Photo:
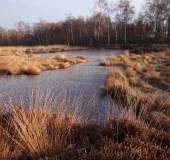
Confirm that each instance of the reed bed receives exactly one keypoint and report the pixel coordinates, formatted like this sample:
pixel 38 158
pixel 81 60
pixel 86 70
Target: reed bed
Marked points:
pixel 16 65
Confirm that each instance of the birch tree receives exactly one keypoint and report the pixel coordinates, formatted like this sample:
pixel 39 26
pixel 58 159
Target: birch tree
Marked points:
pixel 99 11
pixel 69 19
pixel 124 13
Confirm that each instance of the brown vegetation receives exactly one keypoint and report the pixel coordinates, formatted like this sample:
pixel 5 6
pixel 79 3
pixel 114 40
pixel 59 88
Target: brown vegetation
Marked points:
pixel 141 85
pixel 111 61
pixel 152 67
pixel 118 87
pixel 13 51
pixel 16 65
pixel 83 57
pixel 21 50
pixel 39 132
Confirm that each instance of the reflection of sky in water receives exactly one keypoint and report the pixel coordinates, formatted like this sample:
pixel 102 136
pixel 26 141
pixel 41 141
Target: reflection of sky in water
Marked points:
pixel 84 78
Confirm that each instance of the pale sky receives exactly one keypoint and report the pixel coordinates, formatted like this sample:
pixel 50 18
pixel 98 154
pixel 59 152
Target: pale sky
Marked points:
pixel 31 11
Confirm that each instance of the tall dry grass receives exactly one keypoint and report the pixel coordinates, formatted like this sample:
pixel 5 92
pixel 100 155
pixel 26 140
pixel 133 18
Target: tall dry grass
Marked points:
pixel 16 65
pixel 57 127
pixel 111 61
pixel 13 51
pixel 42 127
pixel 56 48
pixel 21 50
pixel 117 86
pixel 153 67
pixel 83 57
pixel 152 108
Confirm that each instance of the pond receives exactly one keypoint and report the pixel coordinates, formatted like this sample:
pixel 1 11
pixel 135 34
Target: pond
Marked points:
pixel 81 79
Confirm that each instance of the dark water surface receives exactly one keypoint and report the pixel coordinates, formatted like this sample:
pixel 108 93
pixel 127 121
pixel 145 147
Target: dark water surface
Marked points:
pixel 84 78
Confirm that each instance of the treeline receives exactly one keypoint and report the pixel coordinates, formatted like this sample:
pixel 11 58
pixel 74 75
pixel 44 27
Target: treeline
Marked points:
pixel 114 23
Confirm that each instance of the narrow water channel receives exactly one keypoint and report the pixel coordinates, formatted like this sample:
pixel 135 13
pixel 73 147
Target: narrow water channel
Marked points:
pixel 84 78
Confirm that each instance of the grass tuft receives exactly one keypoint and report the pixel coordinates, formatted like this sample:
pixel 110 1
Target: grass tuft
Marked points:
pixel 142 86
pixel 32 71
pixel 64 65
pixel 83 57
pixel 16 65
pixel 50 129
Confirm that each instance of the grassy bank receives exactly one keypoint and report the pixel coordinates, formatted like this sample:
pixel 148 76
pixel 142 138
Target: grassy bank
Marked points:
pixel 29 50
pixel 143 85
pixel 16 65
pixel 144 68
pixel 59 129
pixel 21 50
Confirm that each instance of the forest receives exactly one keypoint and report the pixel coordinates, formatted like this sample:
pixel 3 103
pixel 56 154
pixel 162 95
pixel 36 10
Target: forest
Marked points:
pixel 109 24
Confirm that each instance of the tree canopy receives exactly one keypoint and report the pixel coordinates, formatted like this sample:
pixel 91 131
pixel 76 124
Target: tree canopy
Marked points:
pixel 114 23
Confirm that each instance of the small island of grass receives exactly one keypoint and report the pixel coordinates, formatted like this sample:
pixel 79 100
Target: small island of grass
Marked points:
pixel 22 61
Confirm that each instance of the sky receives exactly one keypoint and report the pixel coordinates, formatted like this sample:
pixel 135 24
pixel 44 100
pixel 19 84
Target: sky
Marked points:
pixel 31 11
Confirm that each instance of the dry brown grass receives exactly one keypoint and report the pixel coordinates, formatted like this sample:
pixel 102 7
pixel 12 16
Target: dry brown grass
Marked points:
pixel 154 68
pixel 83 57
pixel 129 72
pixel 138 87
pixel 140 100
pixel 64 65
pixel 61 56
pixel 40 129
pixel 32 71
pixel 35 132
pixel 21 50
pixel 117 86
pixel 51 129
pixel 111 61
pixel 16 65
pixel 75 60
pixel 56 48
pixel 13 51
pixel 11 65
